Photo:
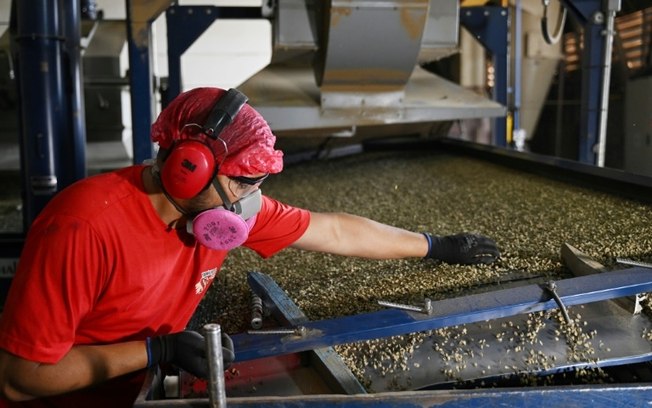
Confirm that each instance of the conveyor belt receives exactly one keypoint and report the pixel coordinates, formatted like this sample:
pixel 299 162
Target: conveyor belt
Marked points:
pixel 611 334
pixel 504 347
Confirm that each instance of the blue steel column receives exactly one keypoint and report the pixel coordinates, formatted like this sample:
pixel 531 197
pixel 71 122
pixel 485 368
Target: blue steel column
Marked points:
pixel 518 57
pixel 588 14
pixel 37 43
pixel 74 146
pixel 591 95
pixel 502 88
pixel 142 89
pixel 490 26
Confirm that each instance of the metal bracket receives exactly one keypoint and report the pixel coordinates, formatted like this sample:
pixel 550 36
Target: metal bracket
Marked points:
pixel 551 286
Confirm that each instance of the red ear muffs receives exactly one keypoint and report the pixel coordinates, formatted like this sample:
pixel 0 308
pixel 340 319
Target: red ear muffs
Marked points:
pixel 188 169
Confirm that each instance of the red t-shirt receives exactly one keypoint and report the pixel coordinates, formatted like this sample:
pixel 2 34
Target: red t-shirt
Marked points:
pixel 99 266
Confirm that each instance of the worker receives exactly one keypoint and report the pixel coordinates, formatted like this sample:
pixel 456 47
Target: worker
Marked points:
pixel 115 265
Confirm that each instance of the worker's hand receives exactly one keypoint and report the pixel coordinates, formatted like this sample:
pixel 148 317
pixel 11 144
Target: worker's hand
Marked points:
pixel 186 350
pixel 462 249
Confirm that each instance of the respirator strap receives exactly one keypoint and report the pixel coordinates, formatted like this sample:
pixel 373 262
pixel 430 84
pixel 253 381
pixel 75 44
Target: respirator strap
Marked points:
pixel 223 196
pixel 157 179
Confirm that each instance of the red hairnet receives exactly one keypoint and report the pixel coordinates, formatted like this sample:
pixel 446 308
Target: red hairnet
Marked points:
pixel 249 140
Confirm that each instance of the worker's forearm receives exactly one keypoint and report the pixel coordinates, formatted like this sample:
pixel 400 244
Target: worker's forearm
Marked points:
pixel 350 235
pixel 81 367
pixel 371 239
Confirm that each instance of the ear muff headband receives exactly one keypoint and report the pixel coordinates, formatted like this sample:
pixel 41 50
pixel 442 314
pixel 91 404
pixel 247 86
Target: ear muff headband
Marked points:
pixel 223 113
pixel 190 164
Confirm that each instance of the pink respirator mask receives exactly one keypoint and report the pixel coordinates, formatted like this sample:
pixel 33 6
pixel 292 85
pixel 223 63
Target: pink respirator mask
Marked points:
pixel 228 226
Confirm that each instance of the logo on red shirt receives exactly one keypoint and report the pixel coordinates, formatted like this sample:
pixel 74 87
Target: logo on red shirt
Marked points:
pixel 206 279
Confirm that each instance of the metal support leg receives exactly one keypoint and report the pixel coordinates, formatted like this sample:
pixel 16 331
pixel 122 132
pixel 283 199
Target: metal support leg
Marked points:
pixel 216 387
pixel 37 48
pixel 596 69
pixel 490 26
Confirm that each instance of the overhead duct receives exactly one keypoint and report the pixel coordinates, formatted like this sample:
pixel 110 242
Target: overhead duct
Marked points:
pixel 340 66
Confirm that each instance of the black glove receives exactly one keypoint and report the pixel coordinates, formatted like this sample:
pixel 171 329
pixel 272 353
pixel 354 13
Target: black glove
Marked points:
pixel 186 350
pixel 462 249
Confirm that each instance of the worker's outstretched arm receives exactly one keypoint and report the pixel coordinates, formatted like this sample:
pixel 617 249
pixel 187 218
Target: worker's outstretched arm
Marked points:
pixel 351 235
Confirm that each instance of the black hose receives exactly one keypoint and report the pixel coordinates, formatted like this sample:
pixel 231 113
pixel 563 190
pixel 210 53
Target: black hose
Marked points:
pixel 554 39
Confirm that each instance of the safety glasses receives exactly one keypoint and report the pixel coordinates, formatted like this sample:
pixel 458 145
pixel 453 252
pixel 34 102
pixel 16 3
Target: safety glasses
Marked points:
pixel 241 186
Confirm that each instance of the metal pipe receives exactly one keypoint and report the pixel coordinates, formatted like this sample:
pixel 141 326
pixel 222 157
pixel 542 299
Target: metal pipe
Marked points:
pixel 74 166
pixel 216 388
pixel 141 82
pixel 613 7
pixel 37 41
pixel 518 58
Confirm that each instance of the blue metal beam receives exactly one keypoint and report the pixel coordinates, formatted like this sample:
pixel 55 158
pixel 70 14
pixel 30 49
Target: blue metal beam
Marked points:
pixel 45 39
pixel 74 146
pixel 142 88
pixel 37 45
pixel 599 396
pixel 490 26
pixel 589 14
pixel 448 312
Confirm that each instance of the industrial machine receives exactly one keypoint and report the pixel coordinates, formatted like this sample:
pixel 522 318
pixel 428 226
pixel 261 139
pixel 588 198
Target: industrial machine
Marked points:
pixel 514 335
